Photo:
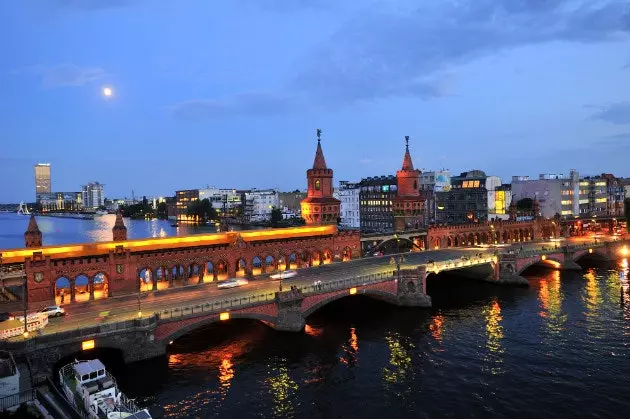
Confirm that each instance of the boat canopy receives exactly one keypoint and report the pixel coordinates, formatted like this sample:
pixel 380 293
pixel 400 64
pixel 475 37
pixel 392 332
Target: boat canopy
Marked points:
pixel 89 370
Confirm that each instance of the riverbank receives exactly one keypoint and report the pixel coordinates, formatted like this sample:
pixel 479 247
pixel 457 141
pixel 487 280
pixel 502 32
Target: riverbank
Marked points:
pixel 76 216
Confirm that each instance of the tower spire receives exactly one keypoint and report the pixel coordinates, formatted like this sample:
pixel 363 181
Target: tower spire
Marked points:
pixel 407 163
pixel 320 162
pixel 32 235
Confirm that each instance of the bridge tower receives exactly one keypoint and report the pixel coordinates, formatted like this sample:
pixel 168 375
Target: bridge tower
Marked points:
pixel 119 231
pixel 319 206
pixel 408 204
pixel 32 235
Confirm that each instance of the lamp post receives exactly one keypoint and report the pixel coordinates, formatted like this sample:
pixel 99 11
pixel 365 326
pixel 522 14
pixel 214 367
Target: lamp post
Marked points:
pixel 139 286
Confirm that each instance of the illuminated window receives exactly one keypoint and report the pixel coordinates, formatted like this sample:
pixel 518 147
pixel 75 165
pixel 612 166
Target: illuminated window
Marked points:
pixel 317 185
pixel 567 202
pixel 566 212
pixel 599 200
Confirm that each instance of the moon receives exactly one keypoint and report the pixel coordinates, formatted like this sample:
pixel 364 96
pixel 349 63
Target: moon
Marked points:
pixel 108 91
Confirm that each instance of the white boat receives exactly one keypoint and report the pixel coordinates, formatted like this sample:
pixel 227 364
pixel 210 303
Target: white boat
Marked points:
pixel 93 392
pixel 101 212
pixel 23 209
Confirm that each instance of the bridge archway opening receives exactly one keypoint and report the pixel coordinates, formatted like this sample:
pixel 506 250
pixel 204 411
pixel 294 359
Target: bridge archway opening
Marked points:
pixel 222 269
pixel 270 264
pixel 209 274
pixel 396 245
pixel 100 283
pixel 316 258
pixel 327 256
pixel 63 289
pixel 256 266
pixel 82 288
pixel 533 267
pixel 293 260
pixel 146 280
pixel 346 254
pixel 241 268
pixel 594 259
pixel 211 332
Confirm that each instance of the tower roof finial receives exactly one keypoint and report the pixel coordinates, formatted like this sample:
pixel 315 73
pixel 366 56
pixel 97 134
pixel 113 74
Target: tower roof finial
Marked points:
pixel 319 135
pixel 407 163
pixel 320 162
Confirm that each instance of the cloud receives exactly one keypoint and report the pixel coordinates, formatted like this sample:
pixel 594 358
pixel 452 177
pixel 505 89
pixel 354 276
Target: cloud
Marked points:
pixel 365 160
pixel 615 113
pixel 392 49
pixel 64 75
pixel 262 104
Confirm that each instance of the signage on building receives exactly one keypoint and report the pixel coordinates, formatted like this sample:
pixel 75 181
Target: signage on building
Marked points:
pixel 524 218
pixel 442 182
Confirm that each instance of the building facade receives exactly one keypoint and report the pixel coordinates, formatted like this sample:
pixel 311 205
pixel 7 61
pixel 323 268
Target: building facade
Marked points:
pixel 42 179
pixel 61 201
pixel 349 195
pixel 375 203
pixel 259 203
pixel 431 183
pixel 183 199
pixel 466 201
pixel 93 195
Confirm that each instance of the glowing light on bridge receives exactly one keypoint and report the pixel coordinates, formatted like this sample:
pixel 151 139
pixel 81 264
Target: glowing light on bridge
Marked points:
pixel 88 344
pixel 224 316
pixel 543 257
pixel 624 251
pixel 353 290
pixel 590 250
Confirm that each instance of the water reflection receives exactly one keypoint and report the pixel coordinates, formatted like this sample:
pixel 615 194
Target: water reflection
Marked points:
pixel 494 333
pixel 282 389
pixel 351 349
pixel 226 373
pixel 551 297
pixel 436 327
pixel 400 365
pixel 592 295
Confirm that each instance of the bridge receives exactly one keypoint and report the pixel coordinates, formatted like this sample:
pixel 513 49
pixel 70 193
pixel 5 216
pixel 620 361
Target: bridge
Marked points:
pixel 142 326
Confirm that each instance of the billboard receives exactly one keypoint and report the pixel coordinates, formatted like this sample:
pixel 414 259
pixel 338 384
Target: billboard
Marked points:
pixel 442 182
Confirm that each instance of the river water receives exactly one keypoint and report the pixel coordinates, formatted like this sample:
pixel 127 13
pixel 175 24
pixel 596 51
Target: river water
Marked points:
pixel 559 348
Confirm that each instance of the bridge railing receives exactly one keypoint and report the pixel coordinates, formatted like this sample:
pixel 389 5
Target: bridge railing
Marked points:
pixel 215 306
pixel 459 263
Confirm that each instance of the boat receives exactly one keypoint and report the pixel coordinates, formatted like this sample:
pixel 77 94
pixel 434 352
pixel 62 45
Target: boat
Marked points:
pixel 23 209
pixel 93 392
pixel 101 212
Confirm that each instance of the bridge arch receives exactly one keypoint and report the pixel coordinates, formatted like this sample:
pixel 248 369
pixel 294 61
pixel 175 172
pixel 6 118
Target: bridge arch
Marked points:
pixel 270 264
pixel 100 285
pixel 595 253
pixel 376 294
pixel 257 265
pixel 549 262
pixel 63 289
pixel 403 243
pixel 204 321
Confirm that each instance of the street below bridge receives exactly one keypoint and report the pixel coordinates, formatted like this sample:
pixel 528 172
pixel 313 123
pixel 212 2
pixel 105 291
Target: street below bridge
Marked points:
pixel 128 307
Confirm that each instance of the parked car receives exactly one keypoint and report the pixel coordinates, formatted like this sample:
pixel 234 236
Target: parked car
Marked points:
pixel 284 274
pixel 54 311
pixel 232 283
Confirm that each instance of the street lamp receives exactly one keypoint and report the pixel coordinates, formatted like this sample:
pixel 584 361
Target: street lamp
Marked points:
pixel 139 286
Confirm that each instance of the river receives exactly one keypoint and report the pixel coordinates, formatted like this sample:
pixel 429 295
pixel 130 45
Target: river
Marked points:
pixel 560 348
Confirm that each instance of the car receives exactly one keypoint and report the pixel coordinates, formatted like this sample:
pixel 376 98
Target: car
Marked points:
pixel 284 274
pixel 232 283
pixel 54 311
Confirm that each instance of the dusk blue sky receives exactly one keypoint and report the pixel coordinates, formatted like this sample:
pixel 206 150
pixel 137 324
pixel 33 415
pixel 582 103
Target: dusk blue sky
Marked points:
pixel 229 93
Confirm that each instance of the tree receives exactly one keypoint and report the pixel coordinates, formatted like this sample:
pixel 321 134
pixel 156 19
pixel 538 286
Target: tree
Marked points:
pixel 525 204
pixel 626 203
pixel 162 211
pixel 276 216
pixel 202 210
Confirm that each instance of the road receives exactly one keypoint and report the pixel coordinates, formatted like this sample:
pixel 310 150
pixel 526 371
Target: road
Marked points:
pixel 127 307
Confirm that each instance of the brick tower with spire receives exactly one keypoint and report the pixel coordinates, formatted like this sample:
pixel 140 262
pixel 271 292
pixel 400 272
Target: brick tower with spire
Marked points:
pixel 408 204
pixel 32 235
pixel 319 206
pixel 119 230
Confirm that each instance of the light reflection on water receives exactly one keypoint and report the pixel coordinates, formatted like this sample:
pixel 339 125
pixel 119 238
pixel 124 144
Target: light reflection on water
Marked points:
pixel 551 296
pixel 494 333
pixel 282 388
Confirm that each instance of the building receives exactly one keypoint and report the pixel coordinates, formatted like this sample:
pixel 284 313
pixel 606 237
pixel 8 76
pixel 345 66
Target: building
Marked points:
pixel 349 195
pixel 61 201
pixel 408 204
pixel 227 202
pixel 431 183
pixel 557 194
pixel 93 195
pixel 467 199
pixel 42 179
pixel 319 206
pixel 183 199
pixel 615 194
pixel 499 200
pixel 259 203
pixel 375 203
pixel 291 200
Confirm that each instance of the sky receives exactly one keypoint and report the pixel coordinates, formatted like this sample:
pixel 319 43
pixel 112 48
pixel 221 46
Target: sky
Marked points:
pixel 229 93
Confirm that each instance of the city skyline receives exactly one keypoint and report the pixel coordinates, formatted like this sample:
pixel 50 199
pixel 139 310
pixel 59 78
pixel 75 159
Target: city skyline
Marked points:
pixel 504 99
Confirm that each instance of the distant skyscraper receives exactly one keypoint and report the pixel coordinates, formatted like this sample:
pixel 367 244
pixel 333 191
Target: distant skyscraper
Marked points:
pixel 42 178
pixel 93 195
